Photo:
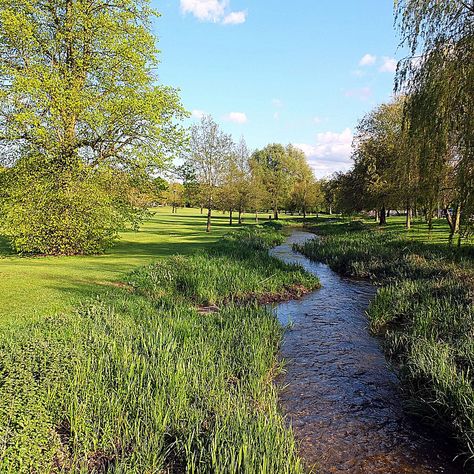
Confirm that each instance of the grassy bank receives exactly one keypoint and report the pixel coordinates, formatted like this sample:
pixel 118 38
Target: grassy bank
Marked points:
pixel 424 312
pixel 33 288
pixel 138 380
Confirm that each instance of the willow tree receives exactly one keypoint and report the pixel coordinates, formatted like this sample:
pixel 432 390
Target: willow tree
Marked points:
pixel 438 77
pixel 79 107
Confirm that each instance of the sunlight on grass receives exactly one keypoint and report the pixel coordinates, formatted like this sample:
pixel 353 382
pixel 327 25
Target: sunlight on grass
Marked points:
pixel 33 287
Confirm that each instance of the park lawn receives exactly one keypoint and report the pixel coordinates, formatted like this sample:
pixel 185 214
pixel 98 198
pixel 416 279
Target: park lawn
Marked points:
pixel 419 232
pixel 35 287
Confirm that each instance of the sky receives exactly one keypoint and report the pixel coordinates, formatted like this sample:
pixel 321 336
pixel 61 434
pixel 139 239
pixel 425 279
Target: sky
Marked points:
pixel 278 71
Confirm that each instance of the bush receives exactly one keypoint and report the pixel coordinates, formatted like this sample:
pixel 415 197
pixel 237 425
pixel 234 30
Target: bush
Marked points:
pixel 68 213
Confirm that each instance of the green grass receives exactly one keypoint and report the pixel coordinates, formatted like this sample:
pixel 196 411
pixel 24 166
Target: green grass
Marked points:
pixel 424 311
pixel 138 380
pixel 35 287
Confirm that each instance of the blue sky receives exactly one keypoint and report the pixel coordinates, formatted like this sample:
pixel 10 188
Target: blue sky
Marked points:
pixel 301 71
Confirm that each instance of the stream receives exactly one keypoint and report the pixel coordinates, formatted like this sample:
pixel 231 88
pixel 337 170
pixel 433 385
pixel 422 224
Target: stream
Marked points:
pixel 341 397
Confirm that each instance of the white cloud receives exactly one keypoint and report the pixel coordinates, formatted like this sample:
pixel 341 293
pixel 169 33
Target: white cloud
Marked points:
pixel 197 114
pixel 317 120
pixel 363 93
pixel 214 11
pixel 276 116
pixel 331 152
pixel 388 65
pixel 367 60
pixel 235 18
pixel 236 117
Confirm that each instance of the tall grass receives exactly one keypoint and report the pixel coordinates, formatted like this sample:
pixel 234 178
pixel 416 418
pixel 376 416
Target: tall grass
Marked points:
pixel 424 311
pixel 138 381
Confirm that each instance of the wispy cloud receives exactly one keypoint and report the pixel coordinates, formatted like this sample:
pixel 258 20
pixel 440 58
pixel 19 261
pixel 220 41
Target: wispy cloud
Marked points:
pixel 277 103
pixel 197 114
pixel 388 65
pixel 235 18
pixel 330 153
pixel 214 11
pixel 236 117
pixel 367 60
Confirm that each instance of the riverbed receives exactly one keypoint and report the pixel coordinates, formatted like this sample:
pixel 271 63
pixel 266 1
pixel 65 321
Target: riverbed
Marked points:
pixel 341 397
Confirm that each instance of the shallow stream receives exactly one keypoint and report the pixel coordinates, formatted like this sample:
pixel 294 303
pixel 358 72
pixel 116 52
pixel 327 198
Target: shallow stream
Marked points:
pixel 341 397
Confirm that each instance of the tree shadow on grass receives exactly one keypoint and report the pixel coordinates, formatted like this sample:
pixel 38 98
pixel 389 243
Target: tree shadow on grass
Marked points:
pixel 5 248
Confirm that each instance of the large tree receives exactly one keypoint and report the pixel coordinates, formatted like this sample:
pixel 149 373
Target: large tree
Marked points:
pixel 79 101
pixel 209 154
pixel 438 76
pixel 276 169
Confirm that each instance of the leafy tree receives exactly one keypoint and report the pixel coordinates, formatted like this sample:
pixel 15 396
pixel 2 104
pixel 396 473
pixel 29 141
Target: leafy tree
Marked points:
pixel 376 154
pixel 78 101
pixel 209 154
pixel 174 196
pixel 329 190
pixel 187 175
pixel 305 193
pixel 438 77
pixel 275 169
pixel 258 195
pixel 241 158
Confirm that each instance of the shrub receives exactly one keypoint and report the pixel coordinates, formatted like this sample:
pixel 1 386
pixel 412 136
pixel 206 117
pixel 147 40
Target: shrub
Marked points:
pixel 67 213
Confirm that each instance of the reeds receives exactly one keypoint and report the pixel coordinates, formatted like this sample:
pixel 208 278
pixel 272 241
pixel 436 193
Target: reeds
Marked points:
pixel 424 312
pixel 141 382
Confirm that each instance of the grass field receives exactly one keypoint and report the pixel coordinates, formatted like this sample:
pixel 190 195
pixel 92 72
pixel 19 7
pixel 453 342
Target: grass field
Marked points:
pixel 33 287
pixel 143 379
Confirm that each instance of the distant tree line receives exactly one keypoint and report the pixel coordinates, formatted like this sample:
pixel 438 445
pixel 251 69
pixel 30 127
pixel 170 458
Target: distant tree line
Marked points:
pixel 416 153
pixel 218 174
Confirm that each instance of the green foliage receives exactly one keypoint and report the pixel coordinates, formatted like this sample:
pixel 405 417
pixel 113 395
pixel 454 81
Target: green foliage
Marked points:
pixel 76 213
pixel 77 92
pixel 138 382
pixel 424 313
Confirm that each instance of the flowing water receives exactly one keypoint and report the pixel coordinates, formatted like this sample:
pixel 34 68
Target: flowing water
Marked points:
pixel 342 399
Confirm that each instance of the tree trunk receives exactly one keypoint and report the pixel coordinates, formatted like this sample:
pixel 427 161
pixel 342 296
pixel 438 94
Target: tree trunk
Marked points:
pixel 330 209
pixel 409 216
pixel 240 216
pixel 454 223
pixel 383 216
pixel 230 217
pixel 209 213
pixel 275 213
pixel 457 221
pixel 256 217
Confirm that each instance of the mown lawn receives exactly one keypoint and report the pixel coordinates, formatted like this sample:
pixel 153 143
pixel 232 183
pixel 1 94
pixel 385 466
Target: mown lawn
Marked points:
pixel 419 232
pixel 34 287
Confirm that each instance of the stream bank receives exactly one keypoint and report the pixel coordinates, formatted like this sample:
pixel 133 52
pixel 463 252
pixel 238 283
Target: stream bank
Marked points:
pixel 341 397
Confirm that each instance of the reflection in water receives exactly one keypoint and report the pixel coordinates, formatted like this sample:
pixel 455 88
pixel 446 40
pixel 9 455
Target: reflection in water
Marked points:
pixel 342 399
